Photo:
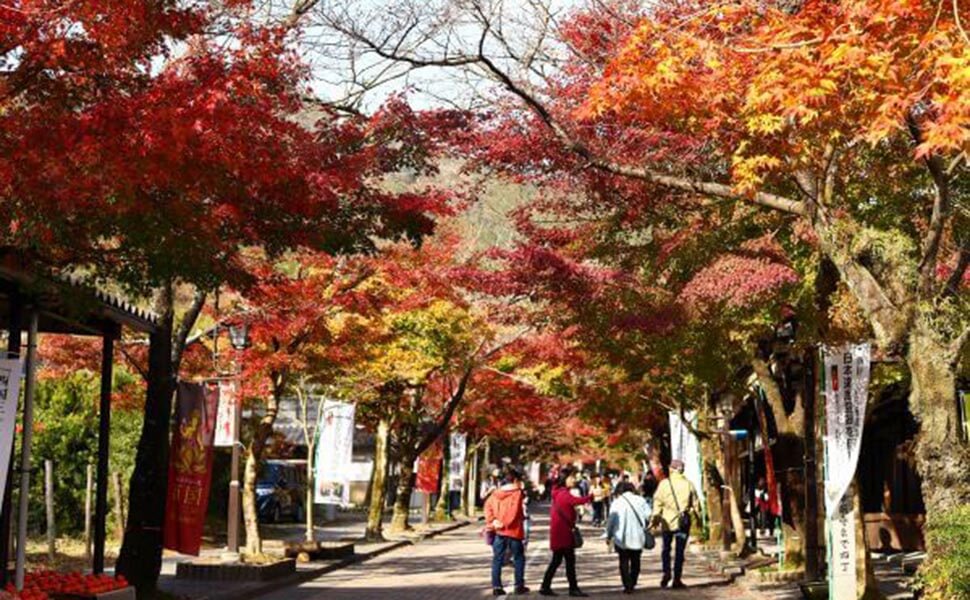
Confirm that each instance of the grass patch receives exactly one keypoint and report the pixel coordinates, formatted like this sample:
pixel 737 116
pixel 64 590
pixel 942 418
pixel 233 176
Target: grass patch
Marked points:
pixel 946 573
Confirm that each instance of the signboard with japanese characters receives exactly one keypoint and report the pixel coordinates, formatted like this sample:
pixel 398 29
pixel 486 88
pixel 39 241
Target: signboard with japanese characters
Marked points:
pixel 227 418
pixel 842 552
pixel 334 453
pixel 10 370
pixel 456 462
pixel 846 389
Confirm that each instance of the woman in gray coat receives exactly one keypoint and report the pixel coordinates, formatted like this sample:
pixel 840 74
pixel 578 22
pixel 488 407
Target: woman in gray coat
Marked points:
pixel 626 528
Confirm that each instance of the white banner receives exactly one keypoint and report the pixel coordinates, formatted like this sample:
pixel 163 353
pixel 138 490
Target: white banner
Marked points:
pixel 334 454
pixel 456 462
pixel 846 391
pixel 227 416
pixel 10 370
pixel 534 473
pixel 842 552
pixel 685 446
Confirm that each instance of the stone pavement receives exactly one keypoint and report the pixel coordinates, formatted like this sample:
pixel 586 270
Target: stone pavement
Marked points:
pixel 455 566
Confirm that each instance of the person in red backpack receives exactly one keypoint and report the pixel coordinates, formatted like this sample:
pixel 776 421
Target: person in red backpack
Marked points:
pixel 505 515
pixel 562 522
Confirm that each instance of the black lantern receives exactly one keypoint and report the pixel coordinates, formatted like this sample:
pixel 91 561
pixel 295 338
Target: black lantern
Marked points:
pixel 239 336
pixel 785 332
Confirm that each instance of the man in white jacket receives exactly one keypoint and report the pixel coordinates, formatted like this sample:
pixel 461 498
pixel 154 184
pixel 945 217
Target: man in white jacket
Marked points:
pixel 626 529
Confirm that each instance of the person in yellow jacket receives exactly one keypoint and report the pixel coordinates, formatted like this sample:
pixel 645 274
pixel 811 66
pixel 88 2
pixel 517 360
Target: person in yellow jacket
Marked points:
pixel 674 507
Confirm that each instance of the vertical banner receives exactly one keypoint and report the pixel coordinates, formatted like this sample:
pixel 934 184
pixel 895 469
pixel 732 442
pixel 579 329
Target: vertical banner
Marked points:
pixel 429 469
pixel 846 390
pixel 535 469
pixel 227 419
pixel 774 494
pixel 456 464
pixel 10 370
pixel 685 446
pixel 335 450
pixel 190 466
pixel 842 552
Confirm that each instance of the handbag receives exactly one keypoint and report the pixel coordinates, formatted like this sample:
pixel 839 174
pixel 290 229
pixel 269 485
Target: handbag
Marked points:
pixel 683 517
pixel 577 534
pixel 489 535
pixel 649 542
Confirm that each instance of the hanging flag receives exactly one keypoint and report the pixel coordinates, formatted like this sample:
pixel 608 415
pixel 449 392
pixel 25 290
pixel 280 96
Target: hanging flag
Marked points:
pixel 456 464
pixel 846 389
pixel 429 469
pixel 685 446
pixel 334 453
pixel 227 418
pixel 10 370
pixel 774 494
pixel 190 466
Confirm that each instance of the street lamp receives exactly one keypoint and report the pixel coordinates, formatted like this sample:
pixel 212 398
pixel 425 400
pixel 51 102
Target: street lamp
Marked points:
pixel 239 336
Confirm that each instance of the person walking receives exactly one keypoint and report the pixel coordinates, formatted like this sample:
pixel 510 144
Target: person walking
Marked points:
pixel 626 529
pixel 505 516
pixel 762 499
pixel 674 506
pixel 599 501
pixel 562 542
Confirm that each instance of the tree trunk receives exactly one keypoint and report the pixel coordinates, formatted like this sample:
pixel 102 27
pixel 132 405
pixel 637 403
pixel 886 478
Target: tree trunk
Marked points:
pixel 378 485
pixel 867 588
pixel 140 559
pixel 310 487
pixel 941 457
pixel 444 488
pixel 402 504
pixel 254 544
pixel 254 457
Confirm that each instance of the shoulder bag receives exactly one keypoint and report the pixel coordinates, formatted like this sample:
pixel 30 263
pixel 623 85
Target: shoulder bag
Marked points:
pixel 577 534
pixel 683 516
pixel 649 542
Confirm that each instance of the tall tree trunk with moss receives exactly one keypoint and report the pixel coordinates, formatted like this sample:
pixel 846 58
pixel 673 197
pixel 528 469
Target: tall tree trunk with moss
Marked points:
pixel 378 485
pixel 254 458
pixel 405 487
pixel 442 507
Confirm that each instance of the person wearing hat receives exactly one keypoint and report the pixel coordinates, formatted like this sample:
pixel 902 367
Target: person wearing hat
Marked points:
pixel 674 507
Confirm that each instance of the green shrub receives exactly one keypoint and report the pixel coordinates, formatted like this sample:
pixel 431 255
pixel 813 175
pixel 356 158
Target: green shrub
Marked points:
pixel 66 432
pixel 946 573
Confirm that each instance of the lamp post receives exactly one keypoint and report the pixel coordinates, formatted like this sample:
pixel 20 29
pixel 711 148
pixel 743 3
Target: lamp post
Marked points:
pixel 239 338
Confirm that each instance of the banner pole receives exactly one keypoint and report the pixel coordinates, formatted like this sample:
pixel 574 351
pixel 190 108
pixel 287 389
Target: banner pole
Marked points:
pixel 26 442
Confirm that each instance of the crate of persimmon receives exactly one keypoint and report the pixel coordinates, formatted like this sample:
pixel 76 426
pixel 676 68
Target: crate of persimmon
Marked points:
pixel 52 585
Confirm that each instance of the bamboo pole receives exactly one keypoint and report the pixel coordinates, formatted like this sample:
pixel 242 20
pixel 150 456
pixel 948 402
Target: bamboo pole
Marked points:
pixel 88 490
pixel 49 501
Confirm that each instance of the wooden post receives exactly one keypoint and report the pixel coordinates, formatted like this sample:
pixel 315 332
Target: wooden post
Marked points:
pixel 87 512
pixel 104 431
pixel 25 448
pixel 809 403
pixel 14 329
pixel 119 505
pixel 49 501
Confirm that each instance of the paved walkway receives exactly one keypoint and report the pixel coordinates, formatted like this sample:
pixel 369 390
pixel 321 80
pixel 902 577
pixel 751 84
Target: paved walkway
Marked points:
pixel 455 566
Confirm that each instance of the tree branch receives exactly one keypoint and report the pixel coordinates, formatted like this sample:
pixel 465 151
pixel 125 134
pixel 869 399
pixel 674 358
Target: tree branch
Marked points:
pixel 955 280
pixel 938 217
pixel 185 327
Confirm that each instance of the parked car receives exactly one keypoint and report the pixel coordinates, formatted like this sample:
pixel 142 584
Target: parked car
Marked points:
pixel 281 491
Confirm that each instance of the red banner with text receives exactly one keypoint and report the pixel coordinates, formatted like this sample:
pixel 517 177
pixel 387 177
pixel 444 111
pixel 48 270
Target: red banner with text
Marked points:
pixel 429 469
pixel 190 466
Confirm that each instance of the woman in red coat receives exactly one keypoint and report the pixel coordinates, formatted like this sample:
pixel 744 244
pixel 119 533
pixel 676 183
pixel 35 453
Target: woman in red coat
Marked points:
pixel 562 520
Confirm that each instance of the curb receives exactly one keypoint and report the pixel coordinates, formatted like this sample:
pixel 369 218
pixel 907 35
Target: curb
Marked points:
pixel 310 574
